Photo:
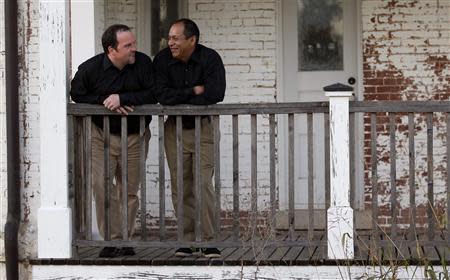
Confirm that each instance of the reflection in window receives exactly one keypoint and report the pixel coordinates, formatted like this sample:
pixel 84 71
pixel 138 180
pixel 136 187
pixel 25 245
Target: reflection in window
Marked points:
pixel 320 35
pixel 163 13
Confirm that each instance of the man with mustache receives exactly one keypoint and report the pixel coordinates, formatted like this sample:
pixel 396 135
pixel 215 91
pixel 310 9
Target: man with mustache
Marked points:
pixel 190 73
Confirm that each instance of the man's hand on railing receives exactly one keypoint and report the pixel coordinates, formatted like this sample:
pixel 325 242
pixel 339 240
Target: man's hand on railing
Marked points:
pixel 123 110
pixel 199 90
pixel 112 103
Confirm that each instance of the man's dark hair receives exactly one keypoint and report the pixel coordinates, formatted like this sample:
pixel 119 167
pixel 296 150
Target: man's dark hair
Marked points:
pixel 109 37
pixel 190 28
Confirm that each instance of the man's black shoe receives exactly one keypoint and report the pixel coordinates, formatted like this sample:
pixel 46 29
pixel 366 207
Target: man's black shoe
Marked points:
pixel 110 252
pixel 128 251
pixel 183 252
pixel 211 252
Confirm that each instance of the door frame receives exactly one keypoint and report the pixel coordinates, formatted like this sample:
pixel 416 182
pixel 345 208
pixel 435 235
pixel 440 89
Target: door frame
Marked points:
pixel 288 72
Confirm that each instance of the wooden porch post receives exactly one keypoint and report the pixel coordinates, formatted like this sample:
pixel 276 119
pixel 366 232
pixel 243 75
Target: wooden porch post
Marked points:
pixel 340 214
pixel 54 214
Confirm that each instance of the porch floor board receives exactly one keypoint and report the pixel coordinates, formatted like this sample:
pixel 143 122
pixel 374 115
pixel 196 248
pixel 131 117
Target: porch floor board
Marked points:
pixel 368 251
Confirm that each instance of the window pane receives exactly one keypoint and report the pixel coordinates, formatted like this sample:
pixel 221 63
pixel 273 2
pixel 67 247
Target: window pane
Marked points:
pixel 163 13
pixel 320 35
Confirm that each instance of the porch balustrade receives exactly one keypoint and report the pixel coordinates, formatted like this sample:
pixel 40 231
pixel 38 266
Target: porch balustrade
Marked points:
pixel 432 236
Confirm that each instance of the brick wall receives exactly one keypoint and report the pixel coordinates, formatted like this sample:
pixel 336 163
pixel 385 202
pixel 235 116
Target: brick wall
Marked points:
pixel 406 57
pixel 120 11
pixel 243 32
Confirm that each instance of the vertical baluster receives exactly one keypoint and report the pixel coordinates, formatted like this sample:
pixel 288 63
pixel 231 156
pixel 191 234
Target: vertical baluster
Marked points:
pixel 217 186
pixel 235 126
pixel 162 180
pixel 392 157
pixel 73 191
pixel 310 176
pixel 291 175
pixel 374 161
pixel 142 173
pixel 79 165
pixel 272 173
pixel 124 154
pixel 412 176
pixel 107 174
pixel 82 194
pixel 253 172
pixel 430 212
pixel 352 162
pixel 180 182
pixel 197 181
pixel 88 178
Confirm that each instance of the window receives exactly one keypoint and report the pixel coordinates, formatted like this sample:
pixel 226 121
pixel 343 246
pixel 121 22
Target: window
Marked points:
pixel 154 18
pixel 320 35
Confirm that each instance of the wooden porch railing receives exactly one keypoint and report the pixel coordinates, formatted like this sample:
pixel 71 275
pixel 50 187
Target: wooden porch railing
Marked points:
pixel 80 117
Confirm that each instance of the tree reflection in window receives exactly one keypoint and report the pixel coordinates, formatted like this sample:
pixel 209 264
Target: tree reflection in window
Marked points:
pixel 163 12
pixel 320 35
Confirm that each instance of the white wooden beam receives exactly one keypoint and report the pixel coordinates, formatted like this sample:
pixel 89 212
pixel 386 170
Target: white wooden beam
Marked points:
pixel 54 214
pixel 340 214
pixel 87 24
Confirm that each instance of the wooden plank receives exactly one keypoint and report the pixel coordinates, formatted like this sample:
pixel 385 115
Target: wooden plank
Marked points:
pixel 143 178
pixel 311 252
pixel 353 159
pixel 431 254
pixel 236 256
pixel 124 157
pixel 107 179
pixel 374 179
pixel 162 180
pixel 412 175
pixel 267 108
pixel 180 183
pixel 310 175
pixel 393 175
pixel 235 127
pixel 400 106
pixel 88 177
pixel 279 252
pixel 197 181
pixel 253 172
pixel 291 176
pixel 272 173
pixel 430 213
pixel 362 246
pixel 217 185
pixel 216 109
pixel 403 252
pixel 76 155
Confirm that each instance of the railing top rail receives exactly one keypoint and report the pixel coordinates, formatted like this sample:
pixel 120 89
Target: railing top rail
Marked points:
pixel 399 106
pixel 268 108
pixel 216 109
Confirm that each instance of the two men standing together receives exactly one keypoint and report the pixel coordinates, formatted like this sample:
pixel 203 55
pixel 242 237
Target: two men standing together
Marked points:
pixel 184 73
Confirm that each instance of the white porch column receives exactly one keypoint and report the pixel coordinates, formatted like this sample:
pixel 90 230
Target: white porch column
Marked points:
pixel 340 214
pixel 54 215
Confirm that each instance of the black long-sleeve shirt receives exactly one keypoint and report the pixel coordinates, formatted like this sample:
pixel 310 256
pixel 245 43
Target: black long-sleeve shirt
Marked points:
pixel 97 78
pixel 175 79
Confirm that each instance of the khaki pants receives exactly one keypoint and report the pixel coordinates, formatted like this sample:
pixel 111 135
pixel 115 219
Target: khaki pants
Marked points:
pixel 206 170
pixel 98 180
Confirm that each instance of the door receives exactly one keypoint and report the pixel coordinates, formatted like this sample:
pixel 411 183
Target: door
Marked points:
pixel 319 49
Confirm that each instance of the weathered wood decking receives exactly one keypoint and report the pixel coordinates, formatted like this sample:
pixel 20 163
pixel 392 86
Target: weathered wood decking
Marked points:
pixel 368 251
